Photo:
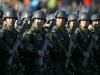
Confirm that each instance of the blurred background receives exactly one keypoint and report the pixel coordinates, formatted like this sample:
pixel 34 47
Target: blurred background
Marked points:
pixel 70 6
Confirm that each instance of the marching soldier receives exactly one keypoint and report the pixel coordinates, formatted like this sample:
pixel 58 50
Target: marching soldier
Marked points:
pixel 85 63
pixel 7 41
pixel 72 26
pixel 33 42
pixel 60 41
pixel 96 27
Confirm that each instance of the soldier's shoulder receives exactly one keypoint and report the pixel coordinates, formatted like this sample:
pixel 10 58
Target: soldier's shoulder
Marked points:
pixel 31 30
pixel 1 32
pixel 54 29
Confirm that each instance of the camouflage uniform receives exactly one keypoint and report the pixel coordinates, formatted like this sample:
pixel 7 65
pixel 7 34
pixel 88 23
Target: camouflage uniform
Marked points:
pixel 58 55
pixel 60 45
pixel 33 41
pixel 8 39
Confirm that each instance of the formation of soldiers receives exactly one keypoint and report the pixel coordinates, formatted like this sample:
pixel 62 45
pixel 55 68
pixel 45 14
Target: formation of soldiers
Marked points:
pixel 49 44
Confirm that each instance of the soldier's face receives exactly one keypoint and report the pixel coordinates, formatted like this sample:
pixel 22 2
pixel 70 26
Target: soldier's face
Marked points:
pixel 39 22
pixel 59 21
pixel 84 23
pixel 10 21
pixel 95 22
pixel 71 24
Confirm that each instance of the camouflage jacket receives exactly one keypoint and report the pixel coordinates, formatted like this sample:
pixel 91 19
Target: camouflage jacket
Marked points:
pixel 83 39
pixel 60 40
pixel 8 39
pixel 33 40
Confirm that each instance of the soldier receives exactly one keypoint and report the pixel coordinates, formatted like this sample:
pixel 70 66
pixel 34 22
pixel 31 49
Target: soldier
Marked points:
pixel 83 39
pixel 1 21
pixel 96 27
pixel 33 42
pixel 8 39
pixel 95 20
pixel 71 22
pixel 49 19
pixel 60 41
pixel 25 15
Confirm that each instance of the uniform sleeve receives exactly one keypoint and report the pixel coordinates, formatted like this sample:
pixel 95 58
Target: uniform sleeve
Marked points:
pixel 3 47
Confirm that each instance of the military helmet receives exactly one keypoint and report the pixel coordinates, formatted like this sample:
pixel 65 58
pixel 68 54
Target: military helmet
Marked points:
pixel 26 14
pixel 60 14
pixel 84 16
pixel 95 17
pixel 1 13
pixel 50 17
pixel 72 17
pixel 39 14
pixel 10 13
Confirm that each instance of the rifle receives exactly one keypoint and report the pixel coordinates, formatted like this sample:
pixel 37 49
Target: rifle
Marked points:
pixel 18 22
pixel 18 41
pixel 71 43
pixel 47 43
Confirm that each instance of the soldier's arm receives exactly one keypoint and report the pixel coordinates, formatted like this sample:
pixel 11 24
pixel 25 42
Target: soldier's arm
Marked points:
pixel 3 46
pixel 28 46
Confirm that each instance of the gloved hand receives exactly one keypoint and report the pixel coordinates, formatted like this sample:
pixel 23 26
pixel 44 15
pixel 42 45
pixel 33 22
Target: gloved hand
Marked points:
pixel 68 55
pixel 41 53
pixel 86 54
pixel 49 36
pixel 12 52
